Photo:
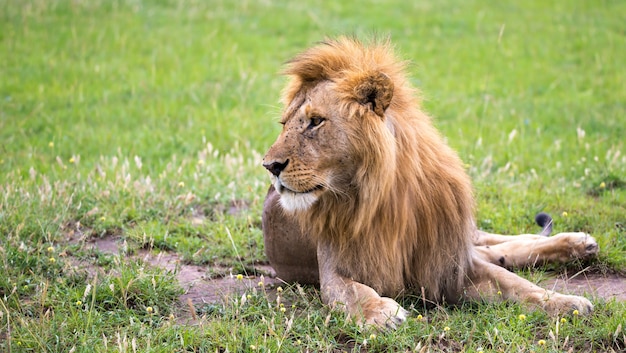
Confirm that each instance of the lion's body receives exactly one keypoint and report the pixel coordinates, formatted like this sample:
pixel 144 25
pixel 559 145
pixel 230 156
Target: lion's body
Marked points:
pixel 368 178
pixel 405 169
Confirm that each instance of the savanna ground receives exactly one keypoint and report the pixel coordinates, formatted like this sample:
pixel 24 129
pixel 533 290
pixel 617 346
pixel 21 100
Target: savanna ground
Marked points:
pixel 131 135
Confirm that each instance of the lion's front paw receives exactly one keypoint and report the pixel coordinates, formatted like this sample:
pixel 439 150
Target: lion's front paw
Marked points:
pixel 557 303
pixel 384 313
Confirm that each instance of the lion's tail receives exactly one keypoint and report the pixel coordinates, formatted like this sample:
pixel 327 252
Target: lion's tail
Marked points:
pixel 544 220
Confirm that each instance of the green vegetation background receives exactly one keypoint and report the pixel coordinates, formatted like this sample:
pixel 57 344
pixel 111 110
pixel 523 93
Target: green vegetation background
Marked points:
pixel 134 119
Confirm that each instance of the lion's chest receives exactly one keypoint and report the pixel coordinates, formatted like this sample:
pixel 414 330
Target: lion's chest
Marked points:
pixel 379 267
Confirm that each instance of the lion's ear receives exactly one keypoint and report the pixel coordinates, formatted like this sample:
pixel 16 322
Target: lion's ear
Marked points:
pixel 374 89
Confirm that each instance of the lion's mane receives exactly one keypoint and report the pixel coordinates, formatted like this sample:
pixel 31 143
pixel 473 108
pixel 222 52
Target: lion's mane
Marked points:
pixel 407 221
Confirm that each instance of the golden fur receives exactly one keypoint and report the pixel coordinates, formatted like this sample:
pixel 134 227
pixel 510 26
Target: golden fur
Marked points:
pixel 362 169
pixel 413 193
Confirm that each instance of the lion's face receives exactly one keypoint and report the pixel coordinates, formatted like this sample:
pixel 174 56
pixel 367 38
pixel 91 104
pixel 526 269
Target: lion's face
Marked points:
pixel 311 155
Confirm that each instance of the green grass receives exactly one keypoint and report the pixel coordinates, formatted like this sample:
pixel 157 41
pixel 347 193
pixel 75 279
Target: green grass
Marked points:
pixel 147 120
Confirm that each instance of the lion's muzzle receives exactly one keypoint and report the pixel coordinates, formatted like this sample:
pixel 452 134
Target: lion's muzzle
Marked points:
pixel 276 167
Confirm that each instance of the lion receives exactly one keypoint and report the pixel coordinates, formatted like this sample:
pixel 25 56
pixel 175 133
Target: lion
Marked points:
pixel 368 200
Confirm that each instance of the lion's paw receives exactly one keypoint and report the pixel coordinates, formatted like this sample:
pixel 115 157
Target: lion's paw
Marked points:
pixel 567 304
pixel 582 245
pixel 384 313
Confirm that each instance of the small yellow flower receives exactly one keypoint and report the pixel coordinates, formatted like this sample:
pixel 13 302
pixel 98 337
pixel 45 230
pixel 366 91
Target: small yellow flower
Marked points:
pixel 372 336
pixel 260 284
pixel 50 249
pixel 239 277
pixel 563 320
pixel 298 342
pixel 282 309
pixel 79 303
pixel 252 347
pixel 419 317
pixel 521 317
pixel 72 160
pixel 102 219
pixel 564 214
pixel 51 144
pixel 575 313
pixel 499 292
pixel 279 289
pixel 446 328
pixel 181 184
pixel 249 296
pixel 602 185
pixel 149 310
pixel 52 260
pixel 541 342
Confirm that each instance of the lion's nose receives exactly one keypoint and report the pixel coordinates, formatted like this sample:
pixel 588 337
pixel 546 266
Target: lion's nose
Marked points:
pixel 276 167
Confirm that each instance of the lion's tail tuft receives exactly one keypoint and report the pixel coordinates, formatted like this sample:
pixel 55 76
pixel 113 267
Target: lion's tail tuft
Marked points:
pixel 544 220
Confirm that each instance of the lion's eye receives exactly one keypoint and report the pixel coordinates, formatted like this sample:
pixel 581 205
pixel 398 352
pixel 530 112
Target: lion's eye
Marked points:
pixel 316 121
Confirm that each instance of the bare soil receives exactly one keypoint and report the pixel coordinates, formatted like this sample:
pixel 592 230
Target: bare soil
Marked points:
pixel 202 289
pixel 594 285
pixel 199 286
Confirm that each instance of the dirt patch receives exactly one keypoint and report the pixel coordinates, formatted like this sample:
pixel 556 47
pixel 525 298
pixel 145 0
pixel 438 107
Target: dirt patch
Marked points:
pixel 594 285
pixel 108 245
pixel 202 289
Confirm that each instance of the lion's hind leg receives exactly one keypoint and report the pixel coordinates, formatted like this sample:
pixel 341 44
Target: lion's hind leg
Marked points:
pixel 528 250
pixel 492 282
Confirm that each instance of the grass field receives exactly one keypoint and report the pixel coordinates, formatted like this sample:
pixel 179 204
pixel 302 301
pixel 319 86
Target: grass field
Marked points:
pixel 133 119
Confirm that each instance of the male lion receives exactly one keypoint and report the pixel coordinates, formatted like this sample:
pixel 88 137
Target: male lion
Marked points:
pixel 369 201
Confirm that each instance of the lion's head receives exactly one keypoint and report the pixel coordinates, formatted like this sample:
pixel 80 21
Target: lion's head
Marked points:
pixel 361 166
pixel 328 112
